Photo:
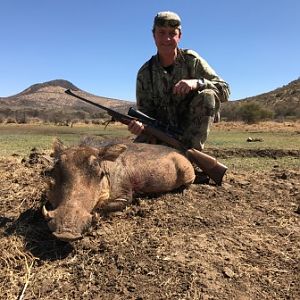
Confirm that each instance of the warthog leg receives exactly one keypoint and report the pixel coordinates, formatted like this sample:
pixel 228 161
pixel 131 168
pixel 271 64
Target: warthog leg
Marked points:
pixel 115 205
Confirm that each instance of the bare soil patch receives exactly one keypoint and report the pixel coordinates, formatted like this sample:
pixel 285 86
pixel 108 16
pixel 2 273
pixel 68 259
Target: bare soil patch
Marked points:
pixel 268 153
pixel 237 241
pixel 268 126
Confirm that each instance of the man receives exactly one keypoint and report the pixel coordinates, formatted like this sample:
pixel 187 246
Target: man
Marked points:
pixel 177 86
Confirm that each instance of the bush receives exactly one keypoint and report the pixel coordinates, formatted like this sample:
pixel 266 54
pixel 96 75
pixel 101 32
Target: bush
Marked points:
pixel 10 120
pixel 285 110
pixel 96 122
pixel 251 112
pixel 20 117
pixel 230 113
pixel 34 120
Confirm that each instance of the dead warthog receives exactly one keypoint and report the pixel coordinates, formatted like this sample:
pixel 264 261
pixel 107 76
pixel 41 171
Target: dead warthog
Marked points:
pixel 106 178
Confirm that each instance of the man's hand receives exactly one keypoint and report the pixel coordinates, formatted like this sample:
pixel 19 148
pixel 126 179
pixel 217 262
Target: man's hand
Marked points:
pixel 185 86
pixel 135 127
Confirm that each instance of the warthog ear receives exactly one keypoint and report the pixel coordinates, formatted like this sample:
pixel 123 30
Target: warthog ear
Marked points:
pixel 112 152
pixel 58 148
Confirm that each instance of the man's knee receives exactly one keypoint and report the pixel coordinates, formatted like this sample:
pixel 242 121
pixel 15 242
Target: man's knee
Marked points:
pixel 201 115
pixel 204 103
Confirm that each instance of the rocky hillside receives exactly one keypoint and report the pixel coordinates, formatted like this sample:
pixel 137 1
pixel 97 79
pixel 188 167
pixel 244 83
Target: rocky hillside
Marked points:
pixel 49 102
pixel 283 102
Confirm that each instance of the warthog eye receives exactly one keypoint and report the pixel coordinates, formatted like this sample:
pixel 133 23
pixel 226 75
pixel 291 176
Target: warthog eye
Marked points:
pixel 94 164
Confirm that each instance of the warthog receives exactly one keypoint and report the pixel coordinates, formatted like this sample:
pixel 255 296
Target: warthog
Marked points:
pixel 87 178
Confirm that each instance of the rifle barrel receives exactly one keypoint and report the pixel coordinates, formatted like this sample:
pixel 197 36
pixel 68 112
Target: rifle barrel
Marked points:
pixel 121 117
pixel 207 163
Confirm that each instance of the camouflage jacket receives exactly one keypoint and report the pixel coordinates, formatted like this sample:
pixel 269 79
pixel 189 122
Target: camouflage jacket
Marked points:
pixel 154 86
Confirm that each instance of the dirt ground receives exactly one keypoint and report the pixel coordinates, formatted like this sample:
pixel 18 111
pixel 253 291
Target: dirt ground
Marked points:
pixel 237 241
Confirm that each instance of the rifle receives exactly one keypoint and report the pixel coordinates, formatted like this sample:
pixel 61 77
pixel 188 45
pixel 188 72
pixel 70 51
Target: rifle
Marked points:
pixel 166 134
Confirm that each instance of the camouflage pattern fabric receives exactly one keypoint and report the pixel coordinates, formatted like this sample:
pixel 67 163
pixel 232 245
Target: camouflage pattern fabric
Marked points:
pixel 193 113
pixel 167 18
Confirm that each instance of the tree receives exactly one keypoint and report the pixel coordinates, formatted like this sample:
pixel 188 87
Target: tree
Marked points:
pixel 251 112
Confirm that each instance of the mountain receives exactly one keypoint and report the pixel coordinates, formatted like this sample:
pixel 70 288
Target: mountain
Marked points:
pixel 283 102
pixel 48 101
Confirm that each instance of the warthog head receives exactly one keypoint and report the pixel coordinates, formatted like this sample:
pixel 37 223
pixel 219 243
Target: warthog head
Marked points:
pixel 79 183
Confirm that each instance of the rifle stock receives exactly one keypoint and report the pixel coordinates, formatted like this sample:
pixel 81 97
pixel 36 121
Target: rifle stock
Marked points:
pixel 210 166
pixel 207 163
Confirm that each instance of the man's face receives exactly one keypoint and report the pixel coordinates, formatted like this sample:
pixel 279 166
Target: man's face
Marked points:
pixel 166 39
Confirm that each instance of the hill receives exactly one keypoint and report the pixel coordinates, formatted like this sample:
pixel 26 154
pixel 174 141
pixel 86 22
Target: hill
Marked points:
pixel 283 102
pixel 48 102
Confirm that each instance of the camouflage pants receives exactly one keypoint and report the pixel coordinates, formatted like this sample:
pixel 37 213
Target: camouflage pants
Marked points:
pixel 203 109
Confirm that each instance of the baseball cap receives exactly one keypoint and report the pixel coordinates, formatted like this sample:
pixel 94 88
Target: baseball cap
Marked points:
pixel 167 18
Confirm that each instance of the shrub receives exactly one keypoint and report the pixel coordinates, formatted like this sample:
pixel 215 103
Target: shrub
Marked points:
pixel 230 113
pixel 251 112
pixel 10 120
pixel 284 110
pixel 20 117
pixel 96 122
pixel 35 120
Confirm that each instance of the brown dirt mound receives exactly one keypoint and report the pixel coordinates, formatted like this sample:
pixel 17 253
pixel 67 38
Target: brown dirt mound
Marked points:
pixel 237 241
pixel 273 153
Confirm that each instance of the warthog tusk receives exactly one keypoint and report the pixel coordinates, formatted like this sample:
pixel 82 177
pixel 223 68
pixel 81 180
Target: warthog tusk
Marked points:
pixel 47 214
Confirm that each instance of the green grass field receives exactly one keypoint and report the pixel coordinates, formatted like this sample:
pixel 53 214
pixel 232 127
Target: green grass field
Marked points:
pixel 20 139
pixel 237 139
pixel 271 140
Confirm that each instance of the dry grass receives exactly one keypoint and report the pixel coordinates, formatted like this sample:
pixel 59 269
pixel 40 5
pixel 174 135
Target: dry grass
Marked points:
pixel 269 126
pixel 238 241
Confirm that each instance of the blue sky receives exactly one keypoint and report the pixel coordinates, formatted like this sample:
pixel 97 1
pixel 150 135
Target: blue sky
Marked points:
pixel 99 45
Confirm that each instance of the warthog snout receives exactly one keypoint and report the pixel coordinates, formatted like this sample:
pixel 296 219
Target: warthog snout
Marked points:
pixel 67 236
pixel 67 227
